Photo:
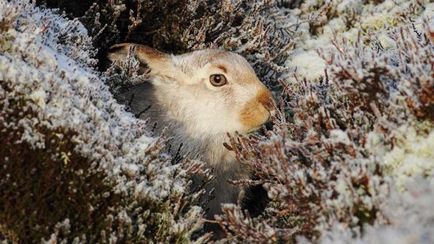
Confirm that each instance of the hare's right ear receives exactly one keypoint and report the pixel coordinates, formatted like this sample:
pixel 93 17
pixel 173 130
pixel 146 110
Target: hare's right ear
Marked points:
pixel 152 62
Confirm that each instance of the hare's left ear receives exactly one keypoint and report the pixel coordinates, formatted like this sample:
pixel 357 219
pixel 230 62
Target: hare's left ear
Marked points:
pixel 152 62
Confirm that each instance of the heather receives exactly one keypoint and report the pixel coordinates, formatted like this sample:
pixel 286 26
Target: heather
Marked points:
pixel 348 159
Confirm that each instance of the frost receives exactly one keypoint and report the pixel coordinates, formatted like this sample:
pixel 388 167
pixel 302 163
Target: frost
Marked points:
pixel 47 72
pixel 78 97
pixel 308 65
pixel 349 158
pixel 39 97
pixel 356 129
pixel 331 20
pixel 339 136
pixel 412 157
pixel 406 212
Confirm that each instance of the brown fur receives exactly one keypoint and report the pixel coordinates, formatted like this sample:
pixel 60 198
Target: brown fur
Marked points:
pixel 266 99
pixel 223 68
pixel 254 114
pixel 141 52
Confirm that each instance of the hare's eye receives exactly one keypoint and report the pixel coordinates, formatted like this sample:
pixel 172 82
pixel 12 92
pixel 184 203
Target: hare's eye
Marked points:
pixel 218 80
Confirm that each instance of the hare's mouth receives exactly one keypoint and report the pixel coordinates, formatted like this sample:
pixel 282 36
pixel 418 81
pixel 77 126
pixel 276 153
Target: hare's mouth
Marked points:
pixel 253 131
pixel 267 126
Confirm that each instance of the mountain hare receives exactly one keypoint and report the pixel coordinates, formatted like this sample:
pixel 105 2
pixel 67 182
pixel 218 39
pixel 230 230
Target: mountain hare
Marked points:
pixel 198 98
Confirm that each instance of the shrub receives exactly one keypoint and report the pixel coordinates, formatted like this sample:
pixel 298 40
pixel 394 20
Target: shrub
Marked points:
pixel 349 157
pixel 75 165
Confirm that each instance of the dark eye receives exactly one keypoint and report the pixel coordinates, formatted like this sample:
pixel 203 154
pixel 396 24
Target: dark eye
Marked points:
pixel 218 80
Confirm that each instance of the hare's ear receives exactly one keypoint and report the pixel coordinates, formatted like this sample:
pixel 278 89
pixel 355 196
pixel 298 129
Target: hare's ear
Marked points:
pixel 152 62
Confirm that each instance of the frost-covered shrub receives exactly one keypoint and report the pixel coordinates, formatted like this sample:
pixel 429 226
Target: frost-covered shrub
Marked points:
pixel 407 214
pixel 349 157
pixel 256 29
pixel 75 165
pixel 68 99
pixel 322 21
pixel 314 168
pixel 347 136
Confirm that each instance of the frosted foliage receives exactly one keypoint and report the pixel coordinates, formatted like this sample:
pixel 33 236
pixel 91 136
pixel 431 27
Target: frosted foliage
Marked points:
pixel 325 21
pixel 68 94
pixel 410 220
pixel 259 30
pixel 359 93
pixel 350 156
pixel 412 156
pixel 48 61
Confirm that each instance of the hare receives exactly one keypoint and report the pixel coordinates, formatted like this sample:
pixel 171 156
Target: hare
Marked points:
pixel 198 98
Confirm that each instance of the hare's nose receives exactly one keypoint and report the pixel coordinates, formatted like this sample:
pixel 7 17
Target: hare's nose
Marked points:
pixel 266 99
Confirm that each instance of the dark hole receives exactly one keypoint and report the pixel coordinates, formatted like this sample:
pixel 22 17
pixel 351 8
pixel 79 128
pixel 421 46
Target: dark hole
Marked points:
pixel 269 125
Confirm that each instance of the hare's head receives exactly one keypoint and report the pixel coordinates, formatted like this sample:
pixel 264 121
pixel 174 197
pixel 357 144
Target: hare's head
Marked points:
pixel 208 91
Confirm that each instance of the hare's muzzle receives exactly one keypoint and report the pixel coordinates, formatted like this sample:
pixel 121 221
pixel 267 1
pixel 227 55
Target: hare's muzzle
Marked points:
pixel 266 99
pixel 258 110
